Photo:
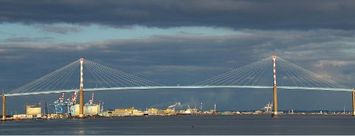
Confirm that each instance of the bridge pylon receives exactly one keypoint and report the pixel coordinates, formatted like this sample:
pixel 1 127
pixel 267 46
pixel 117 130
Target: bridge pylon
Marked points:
pixel 81 91
pixel 353 101
pixel 275 104
pixel 3 107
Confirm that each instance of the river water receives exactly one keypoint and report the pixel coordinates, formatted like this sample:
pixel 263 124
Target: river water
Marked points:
pixel 242 124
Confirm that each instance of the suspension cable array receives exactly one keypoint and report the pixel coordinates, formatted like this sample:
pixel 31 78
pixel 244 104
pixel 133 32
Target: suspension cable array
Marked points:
pixel 255 75
pixel 96 76
pixel 260 74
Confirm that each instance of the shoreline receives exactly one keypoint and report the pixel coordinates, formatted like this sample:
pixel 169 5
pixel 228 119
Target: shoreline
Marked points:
pixel 281 115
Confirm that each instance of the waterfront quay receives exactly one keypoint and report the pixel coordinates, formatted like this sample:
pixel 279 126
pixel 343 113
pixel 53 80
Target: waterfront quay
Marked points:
pixel 35 113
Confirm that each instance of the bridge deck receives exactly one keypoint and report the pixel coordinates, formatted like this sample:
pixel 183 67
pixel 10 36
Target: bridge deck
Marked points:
pixel 180 87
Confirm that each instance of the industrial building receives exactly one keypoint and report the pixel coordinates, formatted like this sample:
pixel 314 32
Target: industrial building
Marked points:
pixel 154 111
pixel 169 111
pixel 89 109
pixel 92 109
pixel 33 110
pixel 127 112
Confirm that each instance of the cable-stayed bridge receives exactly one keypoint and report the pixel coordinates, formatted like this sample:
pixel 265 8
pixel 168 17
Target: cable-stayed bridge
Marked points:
pixel 97 77
pixel 268 73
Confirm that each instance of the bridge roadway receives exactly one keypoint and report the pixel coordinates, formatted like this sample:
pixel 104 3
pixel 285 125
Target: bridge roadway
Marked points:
pixel 180 87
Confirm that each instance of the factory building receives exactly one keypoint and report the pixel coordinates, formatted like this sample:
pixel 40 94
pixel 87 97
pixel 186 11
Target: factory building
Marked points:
pixel 89 109
pixel 169 111
pixel 74 110
pixel 92 109
pixel 33 110
pixel 127 112
pixel 154 111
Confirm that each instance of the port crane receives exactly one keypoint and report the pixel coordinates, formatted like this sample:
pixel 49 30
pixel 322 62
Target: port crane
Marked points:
pixel 91 101
pixel 59 104
pixel 174 105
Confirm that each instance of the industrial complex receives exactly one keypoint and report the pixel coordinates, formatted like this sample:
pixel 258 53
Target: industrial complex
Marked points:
pixel 68 108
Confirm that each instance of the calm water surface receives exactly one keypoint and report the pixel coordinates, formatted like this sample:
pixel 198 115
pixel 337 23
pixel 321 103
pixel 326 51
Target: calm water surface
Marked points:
pixel 187 125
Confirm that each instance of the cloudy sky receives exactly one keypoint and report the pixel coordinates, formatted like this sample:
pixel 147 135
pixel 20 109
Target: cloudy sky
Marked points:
pixel 181 42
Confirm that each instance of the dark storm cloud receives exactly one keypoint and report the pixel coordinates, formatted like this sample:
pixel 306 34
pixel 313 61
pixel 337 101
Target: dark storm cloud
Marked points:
pixel 279 14
pixel 27 39
pixel 58 29
pixel 191 58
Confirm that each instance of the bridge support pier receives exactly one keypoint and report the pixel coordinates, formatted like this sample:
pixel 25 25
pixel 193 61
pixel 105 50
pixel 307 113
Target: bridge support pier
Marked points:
pixel 81 103
pixel 3 107
pixel 353 101
pixel 275 104
pixel 81 91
